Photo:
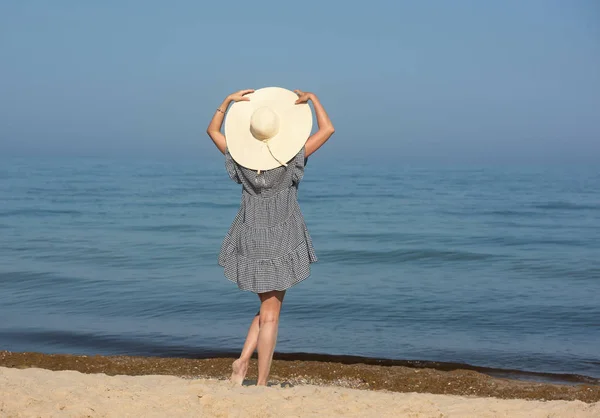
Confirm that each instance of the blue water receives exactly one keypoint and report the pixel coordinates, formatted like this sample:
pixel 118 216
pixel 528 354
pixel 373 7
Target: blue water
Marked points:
pixel 490 266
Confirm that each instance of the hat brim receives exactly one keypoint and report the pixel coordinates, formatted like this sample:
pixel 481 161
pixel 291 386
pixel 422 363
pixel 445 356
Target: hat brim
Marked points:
pixel 295 125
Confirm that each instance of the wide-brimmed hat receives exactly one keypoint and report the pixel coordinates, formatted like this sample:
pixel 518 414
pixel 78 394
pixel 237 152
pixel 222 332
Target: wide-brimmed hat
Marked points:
pixel 268 130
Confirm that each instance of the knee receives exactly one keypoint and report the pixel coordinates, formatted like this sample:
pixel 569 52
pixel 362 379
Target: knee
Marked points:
pixel 269 317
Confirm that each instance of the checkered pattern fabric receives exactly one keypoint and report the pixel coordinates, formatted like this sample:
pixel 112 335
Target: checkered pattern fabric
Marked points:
pixel 268 246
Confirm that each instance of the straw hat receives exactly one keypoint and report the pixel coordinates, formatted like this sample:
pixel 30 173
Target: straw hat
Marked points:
pixel 268 130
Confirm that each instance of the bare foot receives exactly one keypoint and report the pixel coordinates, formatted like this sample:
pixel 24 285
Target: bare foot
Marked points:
pixel 239 369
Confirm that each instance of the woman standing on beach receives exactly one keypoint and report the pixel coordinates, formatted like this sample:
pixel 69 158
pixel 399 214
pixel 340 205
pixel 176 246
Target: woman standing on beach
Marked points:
pixel 268 248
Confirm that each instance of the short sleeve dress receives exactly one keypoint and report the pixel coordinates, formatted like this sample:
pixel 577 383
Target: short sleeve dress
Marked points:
pixel 268 246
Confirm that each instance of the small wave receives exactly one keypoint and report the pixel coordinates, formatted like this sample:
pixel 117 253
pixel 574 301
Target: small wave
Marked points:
pixel 37 280
pixel 199 205
pixel 512 213
pixel 544 270
pixel 39 212
pixel 166 228
pixel 75 342
pixel 564 205
pixel 328 197
pixel 399 256
pixel 381 236
pixel 217 205
pixel 518 241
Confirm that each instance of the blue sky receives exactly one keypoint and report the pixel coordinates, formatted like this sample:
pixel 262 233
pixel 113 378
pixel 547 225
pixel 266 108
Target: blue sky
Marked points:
pixel 414 81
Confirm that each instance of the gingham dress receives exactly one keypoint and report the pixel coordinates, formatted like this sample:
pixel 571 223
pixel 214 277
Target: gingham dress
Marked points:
pixel 267 246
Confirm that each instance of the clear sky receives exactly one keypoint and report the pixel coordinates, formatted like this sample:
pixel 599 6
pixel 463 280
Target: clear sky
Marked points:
pixel 414 80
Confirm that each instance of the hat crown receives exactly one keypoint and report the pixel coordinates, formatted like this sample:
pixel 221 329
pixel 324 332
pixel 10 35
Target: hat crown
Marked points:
pixel 264 123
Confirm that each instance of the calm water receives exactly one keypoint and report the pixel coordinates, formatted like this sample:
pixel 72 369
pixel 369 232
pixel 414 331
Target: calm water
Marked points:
pixel 496 267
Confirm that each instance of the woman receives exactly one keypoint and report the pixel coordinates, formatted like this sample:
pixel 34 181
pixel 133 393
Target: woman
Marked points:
pixel 267 249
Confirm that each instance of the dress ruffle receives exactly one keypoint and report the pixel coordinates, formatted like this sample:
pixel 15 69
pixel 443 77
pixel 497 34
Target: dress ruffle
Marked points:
pixel 273 241
pixel 264 275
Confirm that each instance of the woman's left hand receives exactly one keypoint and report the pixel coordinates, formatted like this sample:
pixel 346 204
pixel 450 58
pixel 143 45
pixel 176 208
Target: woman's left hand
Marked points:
pixel 240 96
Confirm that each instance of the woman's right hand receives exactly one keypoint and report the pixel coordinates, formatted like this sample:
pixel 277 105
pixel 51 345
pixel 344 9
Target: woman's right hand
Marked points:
pixel 303 96
pixel 240 96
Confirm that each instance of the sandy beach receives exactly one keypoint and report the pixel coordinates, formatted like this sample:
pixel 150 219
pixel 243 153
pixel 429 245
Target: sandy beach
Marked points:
pixel 44 393
pixel 42 385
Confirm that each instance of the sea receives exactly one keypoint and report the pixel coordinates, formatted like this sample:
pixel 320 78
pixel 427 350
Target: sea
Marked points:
pixel 492 266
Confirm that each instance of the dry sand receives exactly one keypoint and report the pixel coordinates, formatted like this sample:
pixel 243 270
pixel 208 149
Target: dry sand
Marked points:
pixel 37 392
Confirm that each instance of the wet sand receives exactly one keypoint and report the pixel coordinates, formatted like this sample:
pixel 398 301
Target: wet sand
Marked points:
pixel 393 378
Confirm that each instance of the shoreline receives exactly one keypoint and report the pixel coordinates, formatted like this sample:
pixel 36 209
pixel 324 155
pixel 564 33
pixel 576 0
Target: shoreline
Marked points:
pixel 512 374
pixel 325 370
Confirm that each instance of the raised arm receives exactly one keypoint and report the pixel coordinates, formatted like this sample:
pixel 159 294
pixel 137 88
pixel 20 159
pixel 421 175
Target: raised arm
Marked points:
pixel 326 129
pixel 216 123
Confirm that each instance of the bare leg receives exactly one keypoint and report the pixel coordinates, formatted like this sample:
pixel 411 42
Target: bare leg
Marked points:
pixel 240 366
pixel 267 337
